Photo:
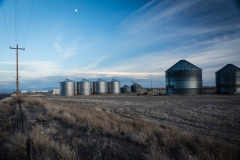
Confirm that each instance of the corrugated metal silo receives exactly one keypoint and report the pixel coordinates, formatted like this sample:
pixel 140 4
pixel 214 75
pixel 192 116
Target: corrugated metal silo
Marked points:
pixel 184 78
pixel 67 88
pixel 228 79
pixel 134 88
pixel 100 87
pixel 126 89
pixel 84 87
pixel 114 86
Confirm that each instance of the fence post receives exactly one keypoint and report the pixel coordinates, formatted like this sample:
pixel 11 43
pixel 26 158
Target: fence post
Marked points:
pixel 22 117
pixel 28 149
pixel 20 107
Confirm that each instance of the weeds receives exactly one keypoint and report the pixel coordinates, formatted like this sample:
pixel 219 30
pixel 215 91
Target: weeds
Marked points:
pixel 76 130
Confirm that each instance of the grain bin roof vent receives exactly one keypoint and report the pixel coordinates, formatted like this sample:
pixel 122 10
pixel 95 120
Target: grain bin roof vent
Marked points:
pixel 67 80
pixel 229 68
pixel 183 65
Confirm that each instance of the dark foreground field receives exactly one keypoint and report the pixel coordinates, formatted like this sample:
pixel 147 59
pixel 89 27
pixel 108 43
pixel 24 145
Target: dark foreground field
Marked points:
pixel 124 127
pixel 4 95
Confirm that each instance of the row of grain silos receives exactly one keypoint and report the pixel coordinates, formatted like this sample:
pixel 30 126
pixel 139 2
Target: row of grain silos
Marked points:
pixel 186 78
pixel 182 78
pixel 85 87
pixel 128 89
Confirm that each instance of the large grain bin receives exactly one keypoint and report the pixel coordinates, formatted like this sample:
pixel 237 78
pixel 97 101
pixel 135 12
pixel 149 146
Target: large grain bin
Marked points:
pixel 183 78
pixel 84 87
pixel 125 89
pixel 100 87
pixel 114 86
pixel 134 88
pixel 67 88
pixel 228 79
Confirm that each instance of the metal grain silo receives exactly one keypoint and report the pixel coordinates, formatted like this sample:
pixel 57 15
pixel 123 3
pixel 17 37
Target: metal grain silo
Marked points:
pixel 126 89
pixel 114 86
pixel 100 87
pixel 84 87
pixel 228 79
pixel 183 78
pixel 134 88
pixel 67 88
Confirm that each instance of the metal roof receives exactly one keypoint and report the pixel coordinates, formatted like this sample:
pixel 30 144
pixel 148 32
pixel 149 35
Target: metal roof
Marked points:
pixel 99 80
pixel 229 68
pixel 183 65
pixel 66 80
pixel 85 80
pixel 114 80
pixel 125 86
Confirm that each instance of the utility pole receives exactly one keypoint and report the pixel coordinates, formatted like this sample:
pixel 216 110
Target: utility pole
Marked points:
pixel 17 85
pixel 151 84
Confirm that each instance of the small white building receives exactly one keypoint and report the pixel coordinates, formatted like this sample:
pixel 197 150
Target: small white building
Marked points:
pixel 39 91
pixel 55 92
pixel 23 91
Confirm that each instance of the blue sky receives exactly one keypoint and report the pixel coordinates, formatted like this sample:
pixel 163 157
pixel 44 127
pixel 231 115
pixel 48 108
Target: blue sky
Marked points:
pixel 122 39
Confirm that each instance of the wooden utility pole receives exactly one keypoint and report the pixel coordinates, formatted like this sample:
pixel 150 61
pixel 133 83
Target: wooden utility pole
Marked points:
pixel 17 85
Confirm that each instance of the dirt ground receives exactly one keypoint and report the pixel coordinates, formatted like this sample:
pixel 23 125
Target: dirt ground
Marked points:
pixel 215 116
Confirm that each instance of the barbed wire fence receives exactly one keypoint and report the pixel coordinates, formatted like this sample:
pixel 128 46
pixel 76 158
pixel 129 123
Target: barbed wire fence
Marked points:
pixel 30 148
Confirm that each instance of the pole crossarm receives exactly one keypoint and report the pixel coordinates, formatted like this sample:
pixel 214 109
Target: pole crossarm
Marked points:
pixel 17 48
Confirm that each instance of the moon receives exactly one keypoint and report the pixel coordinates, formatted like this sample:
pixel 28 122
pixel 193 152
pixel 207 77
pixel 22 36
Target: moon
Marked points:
pixel 76 10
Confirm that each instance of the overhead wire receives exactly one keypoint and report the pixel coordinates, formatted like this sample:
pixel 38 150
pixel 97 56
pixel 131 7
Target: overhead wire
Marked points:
pixel 15 5
pixel 9 42
pixel 29 24
pixel 17 21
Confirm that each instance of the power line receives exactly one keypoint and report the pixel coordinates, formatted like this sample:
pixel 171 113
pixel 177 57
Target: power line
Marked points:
pixel 29 24
pixel 5 24
pixel 15 20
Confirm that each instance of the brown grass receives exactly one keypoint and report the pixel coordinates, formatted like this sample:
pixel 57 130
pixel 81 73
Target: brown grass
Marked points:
pixel 166 142
pixel 32 101
pixel 47 148
pixel 6 127
pixel 71 130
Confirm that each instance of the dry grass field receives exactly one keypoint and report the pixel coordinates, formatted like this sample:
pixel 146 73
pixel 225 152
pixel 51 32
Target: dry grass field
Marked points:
pixel 124 127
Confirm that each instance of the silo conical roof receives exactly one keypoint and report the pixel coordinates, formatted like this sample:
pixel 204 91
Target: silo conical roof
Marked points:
pixel 67 80
pixel 84 80
pixel 100 80
pixel 125 86
pixel 183 65
pixel 229 68
pixel 114 80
